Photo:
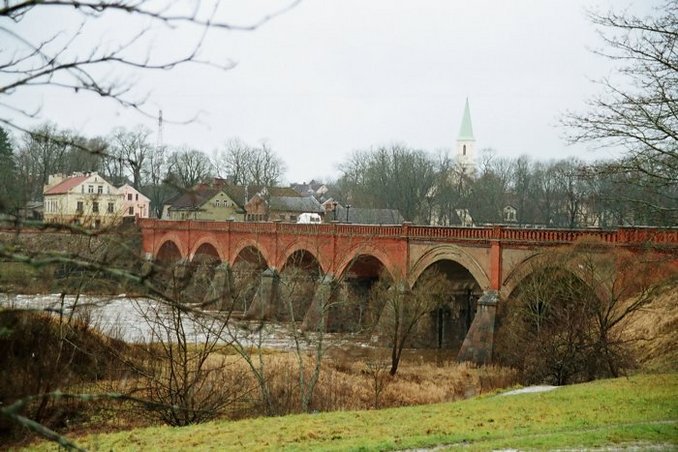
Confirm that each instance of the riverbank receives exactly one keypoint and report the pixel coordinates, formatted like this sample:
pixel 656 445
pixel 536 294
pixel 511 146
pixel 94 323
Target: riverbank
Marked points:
pixel 640 410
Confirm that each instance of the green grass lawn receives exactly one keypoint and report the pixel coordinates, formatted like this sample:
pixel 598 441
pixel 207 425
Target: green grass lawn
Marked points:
pixel 642 410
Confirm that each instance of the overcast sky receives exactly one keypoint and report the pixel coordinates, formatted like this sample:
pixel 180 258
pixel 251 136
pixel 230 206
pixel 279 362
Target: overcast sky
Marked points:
pixel 333 76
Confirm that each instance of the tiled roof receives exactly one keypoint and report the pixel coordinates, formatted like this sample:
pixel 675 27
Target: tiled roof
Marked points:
pixel 294 204
pixel 367 216
pixel 66 185
pixel 239 194
pixel 193 198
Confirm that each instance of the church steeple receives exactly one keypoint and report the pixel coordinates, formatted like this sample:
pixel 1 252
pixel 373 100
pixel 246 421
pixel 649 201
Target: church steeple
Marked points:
pixel 466 129
pixel 466 149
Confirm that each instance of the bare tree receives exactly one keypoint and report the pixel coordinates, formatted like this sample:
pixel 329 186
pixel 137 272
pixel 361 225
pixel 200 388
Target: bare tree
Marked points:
pixel 489 191
pixel 132 148
pixel 392 177
pixel 638 112
pixel 187 167
pixel 41 153
pixel 50 61
pixel 404 309
pixel 74 60
pixel 565 323
pixel 159 191
pixel 246 165
pixel 186 379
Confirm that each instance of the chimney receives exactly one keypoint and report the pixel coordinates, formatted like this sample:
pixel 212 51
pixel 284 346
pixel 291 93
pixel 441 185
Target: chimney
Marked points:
pixel 52 180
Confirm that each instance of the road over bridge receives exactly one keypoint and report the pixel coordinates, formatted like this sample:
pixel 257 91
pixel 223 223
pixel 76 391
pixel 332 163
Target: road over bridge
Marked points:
pixel 485 263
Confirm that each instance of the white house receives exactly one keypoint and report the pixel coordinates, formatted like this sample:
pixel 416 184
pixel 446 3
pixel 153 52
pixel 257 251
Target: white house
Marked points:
pixel 86 199
pixel 134 204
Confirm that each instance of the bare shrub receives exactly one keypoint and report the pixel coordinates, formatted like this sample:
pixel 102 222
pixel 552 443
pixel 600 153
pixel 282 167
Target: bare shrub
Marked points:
pixel 186 380
pixel 564 323
pixel 376 368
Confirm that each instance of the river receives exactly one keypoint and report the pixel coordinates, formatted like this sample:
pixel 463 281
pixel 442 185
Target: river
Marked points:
pixel 133 320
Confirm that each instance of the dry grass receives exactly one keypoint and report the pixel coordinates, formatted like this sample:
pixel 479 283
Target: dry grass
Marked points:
pixel 350 384
pixel 654 331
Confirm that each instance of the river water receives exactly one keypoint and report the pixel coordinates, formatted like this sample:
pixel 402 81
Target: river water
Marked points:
pixel 138 320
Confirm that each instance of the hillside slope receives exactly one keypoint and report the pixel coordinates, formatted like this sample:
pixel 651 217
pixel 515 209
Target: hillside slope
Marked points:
pixel 639 410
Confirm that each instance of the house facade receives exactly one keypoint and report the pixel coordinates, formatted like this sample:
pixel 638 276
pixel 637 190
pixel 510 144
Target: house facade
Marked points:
pixel 208 203
pixel 134 203
pixel 85 199
pixel 281 208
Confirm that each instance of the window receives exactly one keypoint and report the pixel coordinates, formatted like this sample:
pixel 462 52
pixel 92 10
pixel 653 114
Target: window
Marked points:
pixel 136 197
pixel 464 150
pixel 82 189
pixel 217 203
pixel 79 209
pixel 129 196
pixel 97 224
pixel 110 207
pixel 100 189
pixel 90 189
pixel 95 207
pixel 293 218
pixel 130 211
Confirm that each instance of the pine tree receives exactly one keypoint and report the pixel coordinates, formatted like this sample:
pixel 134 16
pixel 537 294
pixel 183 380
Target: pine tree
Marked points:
pixel 8 192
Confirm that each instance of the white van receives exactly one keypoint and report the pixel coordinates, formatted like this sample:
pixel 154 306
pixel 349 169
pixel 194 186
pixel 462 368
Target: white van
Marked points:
pixel 309 218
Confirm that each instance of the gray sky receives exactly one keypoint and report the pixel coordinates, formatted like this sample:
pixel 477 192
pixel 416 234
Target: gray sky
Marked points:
pixel 333 76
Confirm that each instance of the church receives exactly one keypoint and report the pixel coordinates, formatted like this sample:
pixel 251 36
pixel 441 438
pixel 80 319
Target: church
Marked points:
pixel 449 211
pixel 466 143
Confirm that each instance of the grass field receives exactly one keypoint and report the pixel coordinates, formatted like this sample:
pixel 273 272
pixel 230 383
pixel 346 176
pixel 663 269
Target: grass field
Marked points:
pixel 640 410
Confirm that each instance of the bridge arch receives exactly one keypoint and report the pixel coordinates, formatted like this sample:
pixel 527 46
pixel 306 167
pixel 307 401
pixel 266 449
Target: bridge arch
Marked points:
pixel 452 253
pixel 175 240
pixel 207 246
pixel 550 304
pixel 451 281
pixel 300 273
pixel 302 247
pixel 521 271
pixel 544 260
pixel 169 251
pixel 254 246
pixel 362 252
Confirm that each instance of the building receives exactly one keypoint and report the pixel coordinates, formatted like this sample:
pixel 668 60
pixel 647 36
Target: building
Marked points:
pixel 34 210
pixel 85 199
pixel 221 201
pixel 134 204
pixel 314 188
pixel 510 214
pixel 205 202
pixel 466 143
pixel 280 205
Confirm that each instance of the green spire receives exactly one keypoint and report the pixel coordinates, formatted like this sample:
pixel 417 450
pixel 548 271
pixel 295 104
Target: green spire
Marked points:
pixel 466 129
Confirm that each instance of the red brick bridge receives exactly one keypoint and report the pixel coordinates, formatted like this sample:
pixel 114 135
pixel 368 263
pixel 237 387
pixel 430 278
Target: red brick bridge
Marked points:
pixel 487 263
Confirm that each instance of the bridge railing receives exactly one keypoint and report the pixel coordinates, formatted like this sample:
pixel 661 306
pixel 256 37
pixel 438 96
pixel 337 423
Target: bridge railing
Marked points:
pixel 438 233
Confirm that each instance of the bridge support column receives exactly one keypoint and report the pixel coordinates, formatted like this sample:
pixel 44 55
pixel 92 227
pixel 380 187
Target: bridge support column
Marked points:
pixel 266 297
pixel 316 316
pixel 148 264
pixel 219 295
pixel 477 346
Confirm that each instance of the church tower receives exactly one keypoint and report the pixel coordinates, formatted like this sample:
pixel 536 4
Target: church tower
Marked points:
pixel 466 144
